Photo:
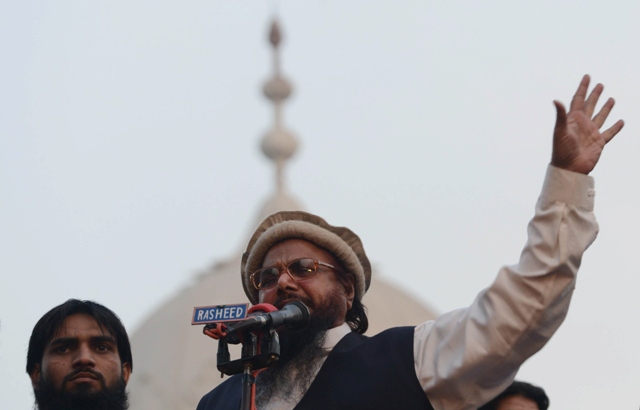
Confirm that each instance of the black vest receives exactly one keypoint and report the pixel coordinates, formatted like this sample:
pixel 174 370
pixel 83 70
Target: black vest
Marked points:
pixel 360 373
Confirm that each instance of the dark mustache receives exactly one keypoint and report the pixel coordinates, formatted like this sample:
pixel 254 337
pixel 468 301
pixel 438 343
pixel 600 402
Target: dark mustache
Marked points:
pixel 96 374
pixel 280 297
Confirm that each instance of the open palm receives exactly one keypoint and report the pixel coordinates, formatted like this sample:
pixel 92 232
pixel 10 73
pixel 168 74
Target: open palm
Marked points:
pixel 577 140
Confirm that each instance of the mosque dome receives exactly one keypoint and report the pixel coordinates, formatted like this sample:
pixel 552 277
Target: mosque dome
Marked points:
pixel 175 364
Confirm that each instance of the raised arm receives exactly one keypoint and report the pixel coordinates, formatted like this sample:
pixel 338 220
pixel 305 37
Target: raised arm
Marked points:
pixel 466 357
pixel 577 140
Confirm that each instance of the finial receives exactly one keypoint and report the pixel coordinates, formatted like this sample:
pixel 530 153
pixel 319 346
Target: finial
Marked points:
pixel 278 144
pixel 274 35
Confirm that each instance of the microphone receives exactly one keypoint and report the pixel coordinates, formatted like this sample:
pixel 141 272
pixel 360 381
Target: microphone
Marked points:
pixel 260 342
pixel 293 315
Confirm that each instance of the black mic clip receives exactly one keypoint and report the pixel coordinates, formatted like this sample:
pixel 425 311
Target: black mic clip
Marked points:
pixel 258 335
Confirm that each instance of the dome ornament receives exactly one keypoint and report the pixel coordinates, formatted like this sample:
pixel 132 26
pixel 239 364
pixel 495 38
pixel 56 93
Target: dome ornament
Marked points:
pixel 278 144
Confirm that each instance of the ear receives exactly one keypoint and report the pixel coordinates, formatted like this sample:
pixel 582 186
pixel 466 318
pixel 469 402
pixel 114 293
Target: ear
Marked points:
pixel 349 291
pixel 35 375
pixel 126 371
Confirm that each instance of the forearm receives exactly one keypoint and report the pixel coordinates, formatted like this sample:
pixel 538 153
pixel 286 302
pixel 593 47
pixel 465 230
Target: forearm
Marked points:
pixel 466 357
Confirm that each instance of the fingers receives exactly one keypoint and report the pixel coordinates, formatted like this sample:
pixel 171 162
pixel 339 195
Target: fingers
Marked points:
pixel 612 131
pixel 588 106
pixel 601 117
pixel 581 94
pixel 591 102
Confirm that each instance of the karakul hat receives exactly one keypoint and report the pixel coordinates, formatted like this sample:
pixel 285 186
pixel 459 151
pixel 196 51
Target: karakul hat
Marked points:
pixel 341 242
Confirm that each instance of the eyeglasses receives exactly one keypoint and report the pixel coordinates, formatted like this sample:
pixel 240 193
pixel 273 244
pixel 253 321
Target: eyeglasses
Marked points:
pixel 299 269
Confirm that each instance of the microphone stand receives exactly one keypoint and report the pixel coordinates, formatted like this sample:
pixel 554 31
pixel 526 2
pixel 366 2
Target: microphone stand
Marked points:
pixel 251 358
pixel 248 396
pixel 260 345
pixel 259 351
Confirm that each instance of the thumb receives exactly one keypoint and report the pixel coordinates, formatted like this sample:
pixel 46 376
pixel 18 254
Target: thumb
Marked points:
pixel 561 117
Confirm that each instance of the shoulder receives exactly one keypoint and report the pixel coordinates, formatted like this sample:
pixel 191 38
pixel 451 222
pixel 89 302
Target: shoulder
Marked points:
pixel 226 396
pixel 392 336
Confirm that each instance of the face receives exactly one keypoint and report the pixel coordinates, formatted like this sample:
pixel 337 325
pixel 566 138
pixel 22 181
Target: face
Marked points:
pixel 517 403
pixel 81 357
pixel 319 290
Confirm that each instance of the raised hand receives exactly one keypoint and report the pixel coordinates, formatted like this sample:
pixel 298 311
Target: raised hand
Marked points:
pixel 577 140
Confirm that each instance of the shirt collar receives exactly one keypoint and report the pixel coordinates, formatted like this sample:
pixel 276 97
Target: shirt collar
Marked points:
pixel 334 335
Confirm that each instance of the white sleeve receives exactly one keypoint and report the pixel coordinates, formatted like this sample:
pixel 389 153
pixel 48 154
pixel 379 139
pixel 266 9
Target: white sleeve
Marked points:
pixel 466 357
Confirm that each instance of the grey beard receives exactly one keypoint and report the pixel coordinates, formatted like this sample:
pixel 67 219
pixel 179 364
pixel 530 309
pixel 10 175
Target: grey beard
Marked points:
pixel 302 354
pixel 290 379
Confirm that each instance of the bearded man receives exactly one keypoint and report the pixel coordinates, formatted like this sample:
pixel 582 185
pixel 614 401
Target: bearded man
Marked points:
pixel 79 358
pixel 462 359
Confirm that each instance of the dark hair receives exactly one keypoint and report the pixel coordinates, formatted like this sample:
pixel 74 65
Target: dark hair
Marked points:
pixel 357 317
pixel 50 324
pixel 523 389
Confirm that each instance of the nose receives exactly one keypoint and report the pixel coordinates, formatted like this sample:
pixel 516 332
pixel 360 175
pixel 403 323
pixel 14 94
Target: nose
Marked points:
pixel 285 281
pixel 84 357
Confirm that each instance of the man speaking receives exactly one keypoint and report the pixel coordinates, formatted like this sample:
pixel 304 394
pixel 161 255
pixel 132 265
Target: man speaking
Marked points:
pixel 462 359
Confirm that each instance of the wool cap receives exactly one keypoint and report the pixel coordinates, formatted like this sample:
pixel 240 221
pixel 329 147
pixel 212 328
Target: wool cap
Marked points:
pixel 341 242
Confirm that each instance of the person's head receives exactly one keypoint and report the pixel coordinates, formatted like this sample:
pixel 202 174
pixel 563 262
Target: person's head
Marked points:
pixel 519 396
pixel 323 266
pixel 79 357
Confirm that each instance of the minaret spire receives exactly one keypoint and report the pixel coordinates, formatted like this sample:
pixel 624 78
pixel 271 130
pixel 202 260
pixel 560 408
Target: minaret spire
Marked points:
pixel 278 144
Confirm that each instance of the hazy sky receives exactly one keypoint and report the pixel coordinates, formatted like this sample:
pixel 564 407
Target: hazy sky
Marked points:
pixel 129 158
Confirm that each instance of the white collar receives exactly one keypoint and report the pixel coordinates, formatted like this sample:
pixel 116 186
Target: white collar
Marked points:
pixel 334 335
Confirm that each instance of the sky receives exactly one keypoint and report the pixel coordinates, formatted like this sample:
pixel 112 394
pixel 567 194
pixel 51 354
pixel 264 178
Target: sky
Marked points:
pixel 130 161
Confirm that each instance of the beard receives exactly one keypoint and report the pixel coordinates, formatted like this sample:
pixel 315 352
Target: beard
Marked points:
pixel 48 397
pixel 300 350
